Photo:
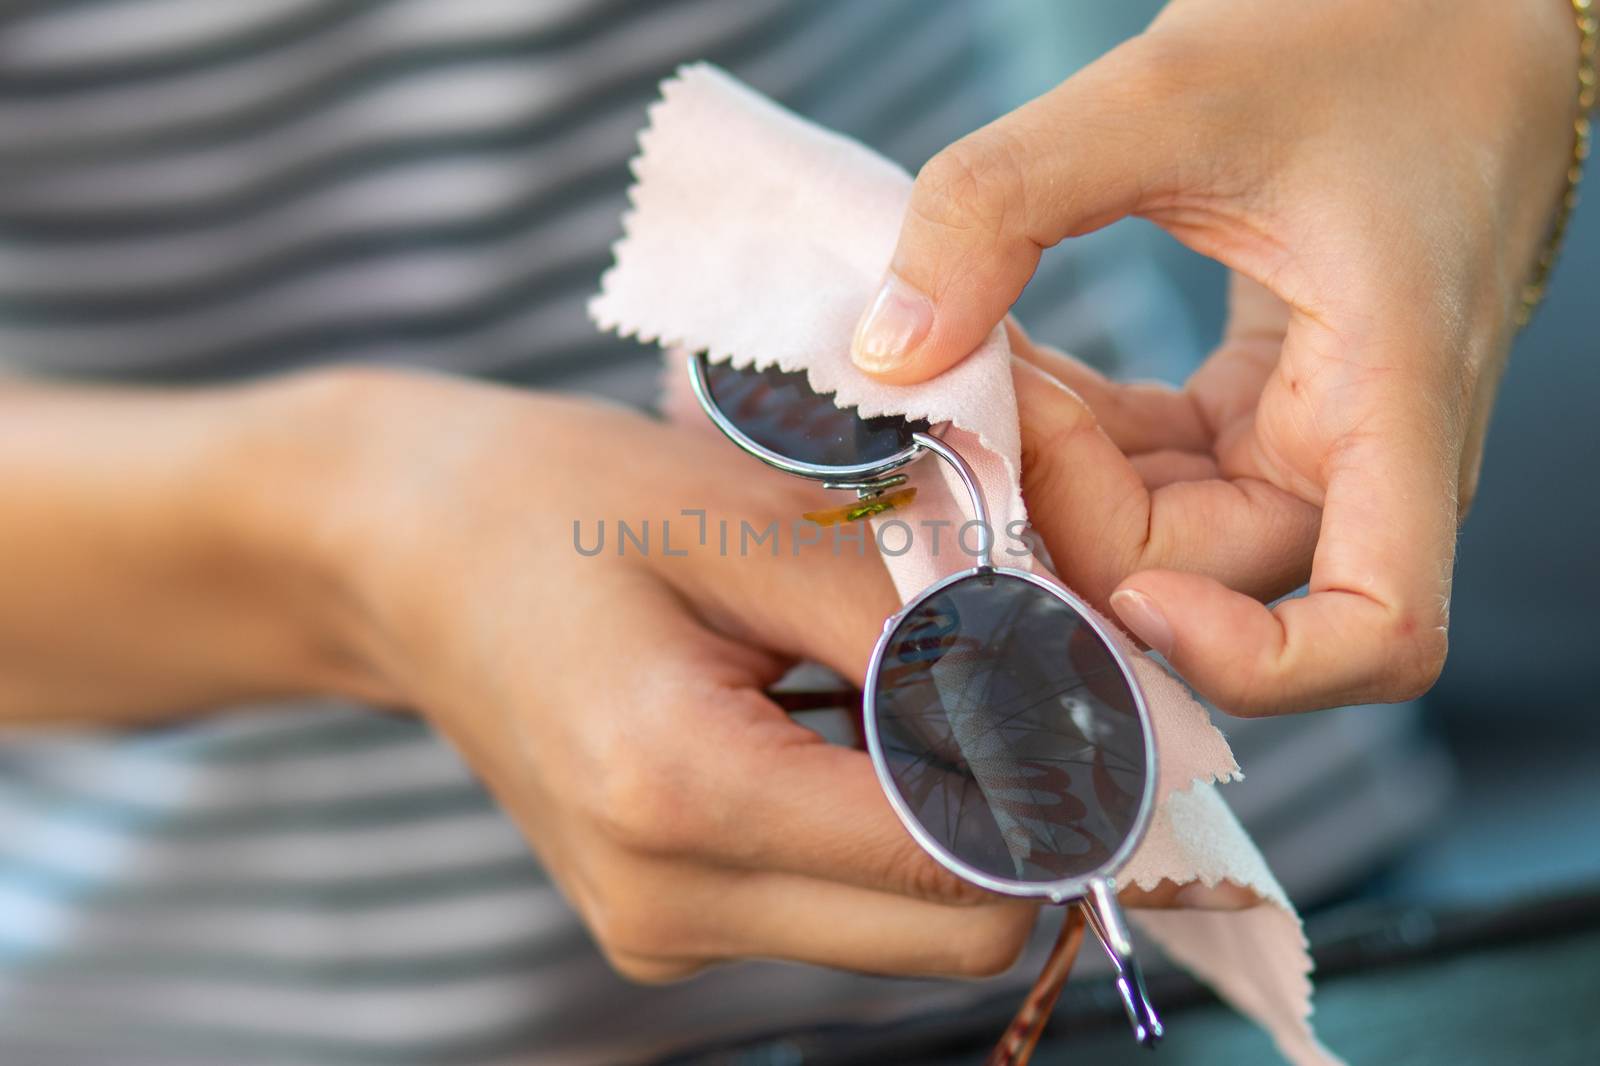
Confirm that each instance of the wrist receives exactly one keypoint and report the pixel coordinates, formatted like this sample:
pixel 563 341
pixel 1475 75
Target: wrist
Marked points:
pixel 165 552
pixel 294 493
pixel 379 492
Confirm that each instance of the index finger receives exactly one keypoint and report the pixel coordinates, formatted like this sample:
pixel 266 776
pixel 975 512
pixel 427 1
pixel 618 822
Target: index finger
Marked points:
pixel 1102 522
pixel 1372 626
pixel 817 809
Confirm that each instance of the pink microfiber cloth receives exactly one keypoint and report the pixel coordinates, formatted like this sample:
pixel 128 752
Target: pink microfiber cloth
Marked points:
pixel 758 238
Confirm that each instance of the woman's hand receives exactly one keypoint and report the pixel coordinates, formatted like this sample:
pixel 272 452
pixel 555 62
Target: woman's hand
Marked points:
pixel 409 540
pixel 1380 176
pixel 614 704
pixel 614 700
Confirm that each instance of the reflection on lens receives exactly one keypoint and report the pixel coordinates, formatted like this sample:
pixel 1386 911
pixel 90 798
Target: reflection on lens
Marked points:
pixel 1010 731
pixel 779 411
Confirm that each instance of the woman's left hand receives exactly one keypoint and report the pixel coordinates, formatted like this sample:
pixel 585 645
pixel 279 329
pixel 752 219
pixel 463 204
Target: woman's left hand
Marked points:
pixel 1380 176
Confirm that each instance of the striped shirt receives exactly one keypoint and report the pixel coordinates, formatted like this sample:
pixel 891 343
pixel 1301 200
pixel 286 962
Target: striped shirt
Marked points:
pixel 200 190
pixel 197 190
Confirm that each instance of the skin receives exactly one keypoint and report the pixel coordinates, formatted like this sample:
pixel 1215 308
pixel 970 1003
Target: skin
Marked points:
pixel 1379 176
pixel 406 540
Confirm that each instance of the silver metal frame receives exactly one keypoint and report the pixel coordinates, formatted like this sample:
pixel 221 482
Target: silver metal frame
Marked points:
pixel 1055 891
pixel 1105 918
pixel 859 475
pixel 1095 892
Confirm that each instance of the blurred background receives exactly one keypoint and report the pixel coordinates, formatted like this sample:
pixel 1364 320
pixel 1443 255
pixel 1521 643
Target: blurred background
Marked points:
pixel 202 190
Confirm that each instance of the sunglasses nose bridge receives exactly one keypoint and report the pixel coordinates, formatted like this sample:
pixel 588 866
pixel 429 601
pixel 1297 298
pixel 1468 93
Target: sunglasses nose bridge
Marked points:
pixel 1100 906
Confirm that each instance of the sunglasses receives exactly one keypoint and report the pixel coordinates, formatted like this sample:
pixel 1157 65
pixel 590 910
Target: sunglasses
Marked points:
pixel 1007 730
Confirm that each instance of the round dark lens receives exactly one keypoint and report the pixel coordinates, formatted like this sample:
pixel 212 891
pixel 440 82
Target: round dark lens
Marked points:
pixel 779 411
pixel 1010 731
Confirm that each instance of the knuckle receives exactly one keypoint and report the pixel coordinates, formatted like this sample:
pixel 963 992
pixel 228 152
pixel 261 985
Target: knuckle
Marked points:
pixel 655 799
pixel 1043 475
pixel 632 931
pixel 995 942
pixel 1242 694
pixel 973 184
pixel 920 877
pixel 1058 417
pixel 639 807
pixel 1256 686
pixel 1421 646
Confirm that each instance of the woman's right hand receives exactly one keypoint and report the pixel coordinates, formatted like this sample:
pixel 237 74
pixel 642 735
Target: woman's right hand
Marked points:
pixel 614 705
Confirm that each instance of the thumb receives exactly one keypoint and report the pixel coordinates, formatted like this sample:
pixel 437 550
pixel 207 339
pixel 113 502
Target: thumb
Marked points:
pixel 1090 151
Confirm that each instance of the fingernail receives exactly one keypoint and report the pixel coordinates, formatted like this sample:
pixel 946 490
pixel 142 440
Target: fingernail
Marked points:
pixel 1145 619
pixel 898 319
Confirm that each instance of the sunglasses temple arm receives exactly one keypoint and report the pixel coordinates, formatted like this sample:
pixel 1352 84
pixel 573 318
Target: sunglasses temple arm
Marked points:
pixel 980 511
pixel 848 700
pixel 1022 1035
pixel 1100 906
pixel 814 699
